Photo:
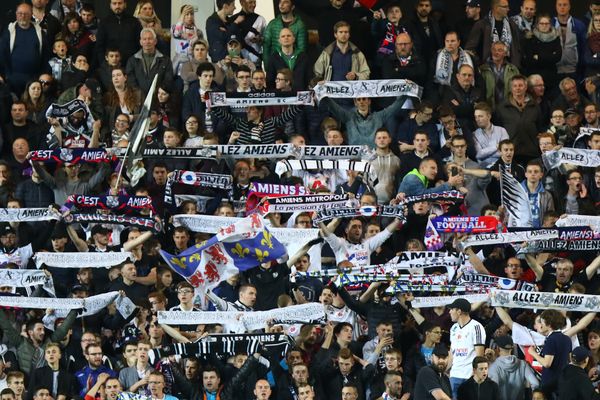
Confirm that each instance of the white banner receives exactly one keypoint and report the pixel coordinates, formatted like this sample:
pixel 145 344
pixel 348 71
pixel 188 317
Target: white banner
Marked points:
pixel 235 99
pixel 579 220
pixel 368 88
pixel 441 301
pixel 304 313
pixel 533 300
pixel 26 278
pixel 482 239
pixel 81 260
pixel 291 238
pixel 567 155
pixel 294 165
pixel 27 214
pixel 199 317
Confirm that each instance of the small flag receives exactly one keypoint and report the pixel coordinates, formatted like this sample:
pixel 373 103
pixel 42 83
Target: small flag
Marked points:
pixel 237 247
pixel 516 200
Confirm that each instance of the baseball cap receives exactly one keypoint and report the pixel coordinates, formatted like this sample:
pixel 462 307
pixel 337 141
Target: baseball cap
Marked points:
pixel 473 3
pixel 5 229
pixel 580 353
pixel 79 288
pixel 233 38
pixel 461 304
pixel 504 342
pixel 571 111
pixel 440 350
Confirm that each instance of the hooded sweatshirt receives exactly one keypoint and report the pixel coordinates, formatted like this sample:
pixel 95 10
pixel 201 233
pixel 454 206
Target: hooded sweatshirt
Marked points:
pixel 511 373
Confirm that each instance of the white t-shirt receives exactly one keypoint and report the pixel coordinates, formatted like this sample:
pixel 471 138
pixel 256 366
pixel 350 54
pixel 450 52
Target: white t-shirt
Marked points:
pixel 462 342
pixel 358 254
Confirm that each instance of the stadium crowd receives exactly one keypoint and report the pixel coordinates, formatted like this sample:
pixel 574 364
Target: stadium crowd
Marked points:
pixel 499 91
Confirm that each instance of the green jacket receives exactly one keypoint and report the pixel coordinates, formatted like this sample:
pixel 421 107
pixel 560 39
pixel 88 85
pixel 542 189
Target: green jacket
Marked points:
pixel 489 78
pixel 271 36
pixel 95 106
pixel 24 346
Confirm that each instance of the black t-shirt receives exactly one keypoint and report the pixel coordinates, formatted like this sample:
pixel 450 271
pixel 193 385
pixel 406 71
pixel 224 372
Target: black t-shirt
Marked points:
pixel 135 291
pixel 558 345
pixel 427 381
pixel 549 283
pixel 270 284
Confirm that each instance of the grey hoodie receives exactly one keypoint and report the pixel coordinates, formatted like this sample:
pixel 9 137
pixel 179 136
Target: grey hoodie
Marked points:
pixel 511 373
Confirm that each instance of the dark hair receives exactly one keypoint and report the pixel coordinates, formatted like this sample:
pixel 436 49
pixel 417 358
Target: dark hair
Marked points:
pixel 208 368
pixel 204 66
pixel 503 142
pixel 221 3
pixel 243 68
pixel 445 111
pixel 7 391
pixel 488 207
pixel 553 319
pixel 338 328
pixel 89 7
pixel 479 360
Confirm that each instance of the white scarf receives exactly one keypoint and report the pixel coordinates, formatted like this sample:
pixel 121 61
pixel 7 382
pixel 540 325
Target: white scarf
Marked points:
pixel 445 65
pixel 506 35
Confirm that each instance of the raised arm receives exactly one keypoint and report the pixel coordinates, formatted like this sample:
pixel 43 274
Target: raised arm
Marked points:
pixel 79 243
pixel 506 319
pixel 175 334
pixel 581 325
pixel 592 268
pixel 476 262
pixel 536 267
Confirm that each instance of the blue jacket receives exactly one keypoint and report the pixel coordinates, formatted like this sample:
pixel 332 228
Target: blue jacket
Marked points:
pixel 83 376
pixel 412 185
pixel 218 38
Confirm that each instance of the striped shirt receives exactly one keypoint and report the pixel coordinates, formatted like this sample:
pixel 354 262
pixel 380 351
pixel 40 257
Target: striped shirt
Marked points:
pixel 261 133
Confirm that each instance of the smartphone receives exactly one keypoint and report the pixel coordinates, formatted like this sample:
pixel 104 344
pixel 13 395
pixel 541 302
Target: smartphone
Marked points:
pixel 454 171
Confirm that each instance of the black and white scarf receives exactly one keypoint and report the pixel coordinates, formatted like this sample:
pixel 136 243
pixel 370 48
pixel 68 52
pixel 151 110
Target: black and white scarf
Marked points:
pixel 145 223
pixel 294 165
pixel 366 211
pixel 506 34
pixel 445 65
pixel 224 345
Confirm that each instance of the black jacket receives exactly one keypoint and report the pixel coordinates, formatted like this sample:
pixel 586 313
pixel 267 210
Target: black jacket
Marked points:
pixel 574 384
pixel 43 377
pixel 118 31
pixel 471 390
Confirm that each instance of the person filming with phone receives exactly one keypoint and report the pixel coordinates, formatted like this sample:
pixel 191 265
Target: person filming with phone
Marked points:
pixel 577 200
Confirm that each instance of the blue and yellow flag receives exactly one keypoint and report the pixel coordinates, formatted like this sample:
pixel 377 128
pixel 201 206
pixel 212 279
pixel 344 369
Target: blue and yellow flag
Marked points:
pixel 237 247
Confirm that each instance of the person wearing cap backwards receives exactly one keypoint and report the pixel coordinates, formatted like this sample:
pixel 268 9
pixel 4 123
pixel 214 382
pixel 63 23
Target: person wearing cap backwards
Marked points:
pixel 510 372
pixel 467 340
pixel 479 386
pixel 432 382
pixel 573 382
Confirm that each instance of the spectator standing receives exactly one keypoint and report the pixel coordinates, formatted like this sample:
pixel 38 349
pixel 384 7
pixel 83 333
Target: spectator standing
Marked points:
pixel 118 30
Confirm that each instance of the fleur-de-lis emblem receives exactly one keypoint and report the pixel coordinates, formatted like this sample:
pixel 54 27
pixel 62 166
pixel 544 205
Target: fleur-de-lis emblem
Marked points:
pixel 194 257
pixel 261 255
pixel 179 262
pixel 267 239
pixel 239 250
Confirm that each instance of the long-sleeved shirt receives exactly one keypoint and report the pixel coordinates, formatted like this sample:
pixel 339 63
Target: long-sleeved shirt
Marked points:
pixel 486 144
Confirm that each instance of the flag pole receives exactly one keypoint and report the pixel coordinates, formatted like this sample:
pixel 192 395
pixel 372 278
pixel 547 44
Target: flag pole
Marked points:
pixel 139 129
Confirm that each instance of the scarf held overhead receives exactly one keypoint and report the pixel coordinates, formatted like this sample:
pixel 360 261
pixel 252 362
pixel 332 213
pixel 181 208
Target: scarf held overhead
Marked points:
pixel 234 99
pixel 80 260
pixel 368 88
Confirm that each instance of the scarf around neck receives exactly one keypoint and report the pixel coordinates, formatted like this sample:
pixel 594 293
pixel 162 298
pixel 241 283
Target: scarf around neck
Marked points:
pixel 546 37
pixel 505 36
pixel 445 65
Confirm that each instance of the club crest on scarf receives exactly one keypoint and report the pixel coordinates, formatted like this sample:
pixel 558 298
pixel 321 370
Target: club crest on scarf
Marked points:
pixel 236 247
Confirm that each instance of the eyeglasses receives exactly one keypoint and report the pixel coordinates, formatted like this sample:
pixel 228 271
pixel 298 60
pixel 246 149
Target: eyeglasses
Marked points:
pixel 280 79
pixel 185 291
pixel 575 178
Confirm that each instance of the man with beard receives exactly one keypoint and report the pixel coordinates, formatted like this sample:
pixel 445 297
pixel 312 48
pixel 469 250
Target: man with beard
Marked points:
pixel 393 387
pixel 432 382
